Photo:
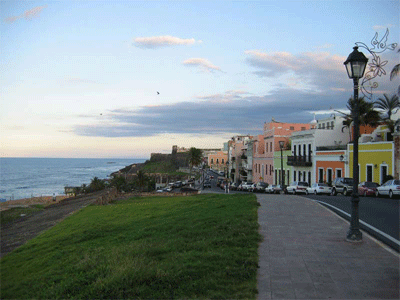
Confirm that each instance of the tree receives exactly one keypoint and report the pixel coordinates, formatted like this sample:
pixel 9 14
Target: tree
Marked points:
pixel 389 105
pixel 195 158
pixel 394 73
pixel 96 184
pixel 119 182
pixel 367 114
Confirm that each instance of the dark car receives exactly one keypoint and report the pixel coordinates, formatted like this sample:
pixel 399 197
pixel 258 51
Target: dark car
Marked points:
pixel 367 188
pixel 342 185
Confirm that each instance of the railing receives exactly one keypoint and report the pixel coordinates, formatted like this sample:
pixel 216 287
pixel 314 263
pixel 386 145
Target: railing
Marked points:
pixel 305 161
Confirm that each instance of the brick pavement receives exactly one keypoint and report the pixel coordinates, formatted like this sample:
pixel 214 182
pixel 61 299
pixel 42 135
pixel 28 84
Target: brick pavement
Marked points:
pixel 304 255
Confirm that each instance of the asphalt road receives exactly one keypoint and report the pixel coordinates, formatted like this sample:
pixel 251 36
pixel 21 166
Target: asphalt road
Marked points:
pixel 381 213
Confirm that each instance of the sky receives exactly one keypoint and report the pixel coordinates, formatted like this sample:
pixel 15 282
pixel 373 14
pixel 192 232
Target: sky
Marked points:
pixel 123 79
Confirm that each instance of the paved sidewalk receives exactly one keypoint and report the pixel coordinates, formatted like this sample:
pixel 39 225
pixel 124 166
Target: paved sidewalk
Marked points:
pixel 304 255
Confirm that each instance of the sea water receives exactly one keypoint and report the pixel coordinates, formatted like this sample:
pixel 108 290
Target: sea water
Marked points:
pixel 35 177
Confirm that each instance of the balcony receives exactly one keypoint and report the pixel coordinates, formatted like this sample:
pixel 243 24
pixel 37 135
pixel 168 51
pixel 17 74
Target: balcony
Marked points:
pixel 300 161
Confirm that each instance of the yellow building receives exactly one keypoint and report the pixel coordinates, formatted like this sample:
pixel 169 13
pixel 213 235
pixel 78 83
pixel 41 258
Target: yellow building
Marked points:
pixel 375 161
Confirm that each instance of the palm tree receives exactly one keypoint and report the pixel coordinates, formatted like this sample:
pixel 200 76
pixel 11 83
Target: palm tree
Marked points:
pixel 389 105
pixel 367 114
pixel 395 72
pixel 195 158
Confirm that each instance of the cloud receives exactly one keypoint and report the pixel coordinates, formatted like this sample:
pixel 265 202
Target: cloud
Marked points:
pixel 76 80
pixel 202 63
pixel 382 27
pixel 162 41
pixel 27 15
pixel 223 114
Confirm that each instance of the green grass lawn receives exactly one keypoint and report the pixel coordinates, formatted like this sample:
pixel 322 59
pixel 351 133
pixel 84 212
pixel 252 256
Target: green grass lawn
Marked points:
pixel 202 246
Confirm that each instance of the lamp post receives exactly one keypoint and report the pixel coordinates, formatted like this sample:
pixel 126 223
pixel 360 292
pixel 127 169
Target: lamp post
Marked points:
pixel 355 66
pixel 281 145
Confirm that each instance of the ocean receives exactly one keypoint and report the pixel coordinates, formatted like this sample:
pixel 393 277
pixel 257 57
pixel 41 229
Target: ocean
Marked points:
pixel 33 177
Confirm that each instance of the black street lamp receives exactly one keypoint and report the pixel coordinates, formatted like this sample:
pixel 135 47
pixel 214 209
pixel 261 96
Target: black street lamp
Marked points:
pixel 355 66
pixel 281 145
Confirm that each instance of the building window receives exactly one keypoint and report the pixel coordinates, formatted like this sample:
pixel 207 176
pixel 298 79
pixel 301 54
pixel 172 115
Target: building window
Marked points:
pixel 294 150
pixel 212 161
pixel 329 176
pixel 291 127
pixel 303 128
pixel 332 124
pixel 384 169
pixel 309 178
pixel 338 173
pixel 270 148
pixel 294 176
pixel 217 161
pixel 320 175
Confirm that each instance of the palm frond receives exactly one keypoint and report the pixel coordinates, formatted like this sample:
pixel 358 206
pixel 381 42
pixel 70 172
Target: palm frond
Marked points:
pixel 395 71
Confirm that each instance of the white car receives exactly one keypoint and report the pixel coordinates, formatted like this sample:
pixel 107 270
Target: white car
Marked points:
pixel 297 187
pixel 319 188
pixel 389 188
pixel 247 186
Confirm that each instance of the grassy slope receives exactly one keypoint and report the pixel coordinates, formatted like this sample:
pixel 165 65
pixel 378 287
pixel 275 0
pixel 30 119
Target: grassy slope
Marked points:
pixel 203 246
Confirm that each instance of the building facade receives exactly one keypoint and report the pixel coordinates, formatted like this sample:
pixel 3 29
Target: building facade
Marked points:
pixel 326 135
pixel 267 144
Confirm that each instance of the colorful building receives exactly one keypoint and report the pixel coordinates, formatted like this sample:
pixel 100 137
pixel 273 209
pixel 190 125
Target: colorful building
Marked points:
pixel 375 161
pixel 217 160
pixel 267 144
pixel 329 165
pixel 326 135
pixel 281 164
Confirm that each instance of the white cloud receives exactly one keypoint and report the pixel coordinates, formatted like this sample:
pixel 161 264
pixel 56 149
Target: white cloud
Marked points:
pixel 202 63
pixel 162 41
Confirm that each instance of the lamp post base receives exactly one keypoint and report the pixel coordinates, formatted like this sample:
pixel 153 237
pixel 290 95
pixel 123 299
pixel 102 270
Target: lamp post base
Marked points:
pixel 354 236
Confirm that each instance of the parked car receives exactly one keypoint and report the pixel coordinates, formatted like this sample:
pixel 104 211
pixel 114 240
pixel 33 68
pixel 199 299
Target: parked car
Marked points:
pixel 178 184
pixel 207 184
pixel 233 186
pixel 342 185
pixel 247 186
pixel 319 188
pixel 260 187
pixel 390 188
pixel 367 188
pixel 164 190
pixel 270 189
pixel 297 187
pixel 252 188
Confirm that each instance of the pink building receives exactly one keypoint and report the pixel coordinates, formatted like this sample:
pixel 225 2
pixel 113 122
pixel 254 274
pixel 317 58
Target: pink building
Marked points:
pixel 265 145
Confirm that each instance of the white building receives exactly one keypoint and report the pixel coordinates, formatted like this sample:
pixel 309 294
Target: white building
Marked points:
pixel 326 134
